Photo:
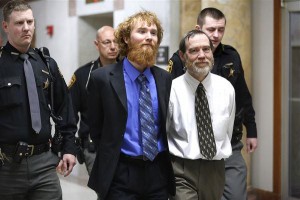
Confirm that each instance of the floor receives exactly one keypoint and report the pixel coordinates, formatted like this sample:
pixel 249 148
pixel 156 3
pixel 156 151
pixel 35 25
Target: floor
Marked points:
pixel 74 187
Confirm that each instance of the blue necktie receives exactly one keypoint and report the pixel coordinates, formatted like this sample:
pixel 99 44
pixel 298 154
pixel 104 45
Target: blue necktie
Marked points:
pixel 32 95
pixel 205 132
pixel 149 135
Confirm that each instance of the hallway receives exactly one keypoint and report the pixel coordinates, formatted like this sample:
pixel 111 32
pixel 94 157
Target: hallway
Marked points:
pixel 74 187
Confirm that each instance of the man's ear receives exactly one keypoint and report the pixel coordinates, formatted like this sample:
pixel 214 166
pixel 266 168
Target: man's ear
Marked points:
pixel 126 40
pixel 197 27
pixel 181 55
pixel 4 26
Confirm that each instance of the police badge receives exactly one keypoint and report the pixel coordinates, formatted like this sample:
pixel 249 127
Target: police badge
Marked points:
pixel 230 67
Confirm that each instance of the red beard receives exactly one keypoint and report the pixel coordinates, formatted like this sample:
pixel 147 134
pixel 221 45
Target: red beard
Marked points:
pixel 143 55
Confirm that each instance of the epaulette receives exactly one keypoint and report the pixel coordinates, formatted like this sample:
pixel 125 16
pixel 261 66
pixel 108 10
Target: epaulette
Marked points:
pixel 226 47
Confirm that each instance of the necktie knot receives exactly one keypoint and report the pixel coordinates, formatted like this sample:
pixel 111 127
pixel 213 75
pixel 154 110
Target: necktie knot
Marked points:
pixel 200 88
pixel 142 79
pixel 24 56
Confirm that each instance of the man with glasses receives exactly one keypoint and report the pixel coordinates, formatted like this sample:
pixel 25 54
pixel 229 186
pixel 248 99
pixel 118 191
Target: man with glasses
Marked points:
pixel 108 53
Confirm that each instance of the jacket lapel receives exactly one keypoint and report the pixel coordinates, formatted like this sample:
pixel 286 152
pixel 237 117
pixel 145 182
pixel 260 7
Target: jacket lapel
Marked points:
pixel 159 80
pixel 118 83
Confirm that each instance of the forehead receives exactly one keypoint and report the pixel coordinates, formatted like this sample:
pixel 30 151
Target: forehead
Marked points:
pixel 21 15
pixel 144 24
pixel 211 22
pixel 107 34
pixel 198 40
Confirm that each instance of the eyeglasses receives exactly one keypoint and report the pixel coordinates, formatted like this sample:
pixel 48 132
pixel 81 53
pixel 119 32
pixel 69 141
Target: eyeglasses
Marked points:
pixel 108 43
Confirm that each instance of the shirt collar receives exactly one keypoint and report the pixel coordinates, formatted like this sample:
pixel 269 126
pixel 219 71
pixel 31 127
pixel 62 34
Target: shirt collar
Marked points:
pixel 219 50
pixel 194 82
pixel 133 73
pixel 15 53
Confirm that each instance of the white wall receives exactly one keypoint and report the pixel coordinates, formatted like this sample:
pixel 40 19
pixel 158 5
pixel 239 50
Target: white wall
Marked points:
pixel 63 44
pixel 262 80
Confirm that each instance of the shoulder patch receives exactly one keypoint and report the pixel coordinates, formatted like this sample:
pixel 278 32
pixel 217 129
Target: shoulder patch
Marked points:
pixel 72 81
pixel 170 66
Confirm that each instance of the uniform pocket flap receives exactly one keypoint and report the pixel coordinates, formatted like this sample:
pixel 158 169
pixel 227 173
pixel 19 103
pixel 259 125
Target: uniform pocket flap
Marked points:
pixel 10 81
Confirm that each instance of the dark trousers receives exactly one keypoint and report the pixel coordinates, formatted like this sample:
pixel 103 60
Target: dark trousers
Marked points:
pixel 136 179
pixel 34 178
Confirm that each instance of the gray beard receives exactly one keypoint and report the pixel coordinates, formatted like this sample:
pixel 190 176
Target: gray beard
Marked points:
pixel 200 71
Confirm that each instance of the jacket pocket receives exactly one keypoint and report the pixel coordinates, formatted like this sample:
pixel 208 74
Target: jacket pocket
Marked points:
pixel 10 94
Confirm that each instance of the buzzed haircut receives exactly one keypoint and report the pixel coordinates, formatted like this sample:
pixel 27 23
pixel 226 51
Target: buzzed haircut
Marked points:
pixel 14 5
pixel 211 12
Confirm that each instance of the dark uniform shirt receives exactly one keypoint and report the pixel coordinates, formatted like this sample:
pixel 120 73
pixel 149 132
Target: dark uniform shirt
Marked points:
pixel 15 120
pixel 227 63
pixel 77 87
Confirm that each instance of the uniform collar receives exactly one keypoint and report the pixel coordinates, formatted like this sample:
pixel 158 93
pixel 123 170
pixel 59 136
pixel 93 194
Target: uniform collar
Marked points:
pixel 15 53
pixel 98 63
pixel 219 50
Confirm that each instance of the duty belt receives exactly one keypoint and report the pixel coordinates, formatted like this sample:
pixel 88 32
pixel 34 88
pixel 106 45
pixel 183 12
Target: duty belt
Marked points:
pixel 29 150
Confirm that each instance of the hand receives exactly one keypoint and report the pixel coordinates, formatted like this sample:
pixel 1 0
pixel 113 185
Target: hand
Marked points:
pixel 251 144
pixel 66 165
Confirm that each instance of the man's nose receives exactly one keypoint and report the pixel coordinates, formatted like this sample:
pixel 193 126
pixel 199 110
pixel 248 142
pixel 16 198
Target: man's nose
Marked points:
pixel 201 54
pixel 216 33
pixel 149 36
pixel 26 26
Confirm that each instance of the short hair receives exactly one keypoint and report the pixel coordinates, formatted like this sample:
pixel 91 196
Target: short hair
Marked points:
pixel 211 12
pixel 14 5
pixel 191 34
pixel 124 29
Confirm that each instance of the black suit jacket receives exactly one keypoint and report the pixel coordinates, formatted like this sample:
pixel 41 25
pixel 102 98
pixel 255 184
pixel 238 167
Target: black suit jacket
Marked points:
pixel 107 115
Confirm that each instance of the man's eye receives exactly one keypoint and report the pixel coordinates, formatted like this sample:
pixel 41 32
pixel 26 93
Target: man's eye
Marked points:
pixel 206 49
pixel 193 51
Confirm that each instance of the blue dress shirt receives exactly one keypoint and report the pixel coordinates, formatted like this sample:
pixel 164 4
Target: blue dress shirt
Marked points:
pixel 132 144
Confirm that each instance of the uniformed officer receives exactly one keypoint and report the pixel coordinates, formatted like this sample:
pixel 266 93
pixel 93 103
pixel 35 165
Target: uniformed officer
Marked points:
pixel 228 65
pixel 28 167
pixel 108 52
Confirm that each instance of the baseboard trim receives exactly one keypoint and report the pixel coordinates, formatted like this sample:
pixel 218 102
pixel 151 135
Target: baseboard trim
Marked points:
pixel 258 194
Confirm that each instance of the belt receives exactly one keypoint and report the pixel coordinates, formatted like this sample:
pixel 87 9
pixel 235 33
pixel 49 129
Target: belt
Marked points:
pixel 124 157
pixel 142 160
pixel 29 150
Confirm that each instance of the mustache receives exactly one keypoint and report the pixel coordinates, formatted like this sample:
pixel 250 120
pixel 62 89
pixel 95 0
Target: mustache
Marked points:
pixel 140 46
